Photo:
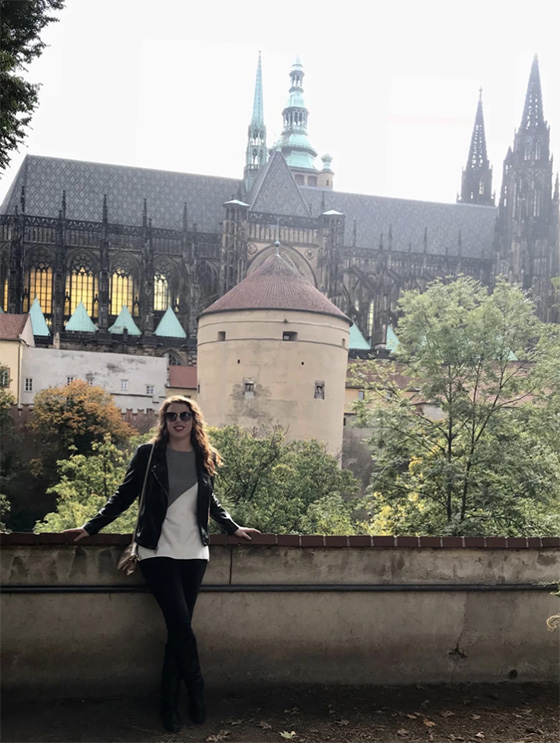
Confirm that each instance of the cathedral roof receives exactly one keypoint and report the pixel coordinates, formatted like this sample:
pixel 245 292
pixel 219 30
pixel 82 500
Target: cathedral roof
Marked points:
pixel 411 225
pixel 275 285
pixel 275 190
pixel 85 183
pixel 414 225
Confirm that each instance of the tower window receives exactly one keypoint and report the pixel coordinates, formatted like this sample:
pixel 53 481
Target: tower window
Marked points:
pixel 124 385
pixel 319 390
pixel 249 389
pixel 69 380
pixel 312 180
pixel 4 377
pixel 288 335
pixel 300 180
pixel 150 389
pixel 28 384
pixel 221 335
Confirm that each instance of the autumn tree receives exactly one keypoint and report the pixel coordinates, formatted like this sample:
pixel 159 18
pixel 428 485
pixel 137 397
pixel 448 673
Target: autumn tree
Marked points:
pixel 21 23
pixel 72 418
pixel 488 459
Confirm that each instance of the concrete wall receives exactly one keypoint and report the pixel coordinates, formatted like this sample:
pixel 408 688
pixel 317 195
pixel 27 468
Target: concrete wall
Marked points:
pixel 284 609
pixel 284 373
pixel 50 367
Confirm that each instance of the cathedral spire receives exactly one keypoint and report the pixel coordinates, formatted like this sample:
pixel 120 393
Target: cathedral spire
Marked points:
pixel 293 142
pixel 533 109
pixel 256 153
pixel 476 184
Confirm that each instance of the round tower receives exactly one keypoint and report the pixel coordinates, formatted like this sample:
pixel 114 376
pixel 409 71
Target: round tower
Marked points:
pixel 273 351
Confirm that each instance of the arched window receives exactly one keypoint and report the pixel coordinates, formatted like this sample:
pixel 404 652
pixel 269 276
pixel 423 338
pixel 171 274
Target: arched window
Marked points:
pixel 39 283
pixel 82 285
pixel 538 149
pixel 124 289
pixel 481 187
pixel 162 295
pixel 537 198
pixel 528 148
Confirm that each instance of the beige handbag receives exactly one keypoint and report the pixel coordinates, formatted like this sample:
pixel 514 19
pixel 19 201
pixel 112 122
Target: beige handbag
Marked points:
pixel 129 558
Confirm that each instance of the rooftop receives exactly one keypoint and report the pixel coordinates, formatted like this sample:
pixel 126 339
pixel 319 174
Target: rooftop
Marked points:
pixel 275 285
pixel 11 326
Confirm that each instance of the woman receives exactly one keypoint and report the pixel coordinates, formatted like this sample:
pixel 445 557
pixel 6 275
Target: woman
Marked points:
pixel 172 538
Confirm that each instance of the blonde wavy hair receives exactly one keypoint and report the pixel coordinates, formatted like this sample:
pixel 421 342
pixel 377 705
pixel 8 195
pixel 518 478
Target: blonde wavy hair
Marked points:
pixel 199 435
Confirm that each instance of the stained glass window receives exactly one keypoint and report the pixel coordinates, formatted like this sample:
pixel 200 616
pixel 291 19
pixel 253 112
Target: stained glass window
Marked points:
pixel 39 283
pixel 162 295
pixel 81 286
pixel 123 292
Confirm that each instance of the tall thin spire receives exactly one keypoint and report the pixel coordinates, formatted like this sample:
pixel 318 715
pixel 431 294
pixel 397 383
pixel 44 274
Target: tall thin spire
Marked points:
pixel 533 110
pixel 256 154
pixel 258 108
pixel 476 183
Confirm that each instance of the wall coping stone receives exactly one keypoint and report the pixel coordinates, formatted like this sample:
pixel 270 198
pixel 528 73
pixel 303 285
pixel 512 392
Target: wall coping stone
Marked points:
pixel 304 540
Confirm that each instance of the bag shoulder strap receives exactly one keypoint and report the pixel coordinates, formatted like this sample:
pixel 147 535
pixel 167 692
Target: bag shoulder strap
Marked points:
pixel 143 493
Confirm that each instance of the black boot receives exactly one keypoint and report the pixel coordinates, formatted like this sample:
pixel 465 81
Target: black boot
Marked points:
pixel 189 668
pixel 170 688
pixel 195 692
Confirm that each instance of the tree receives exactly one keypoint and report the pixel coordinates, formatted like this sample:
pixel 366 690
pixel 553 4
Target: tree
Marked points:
pixel 8 456
pixel 489 461
pixel 283 487
pixel 21 22
pixel 77 415
pixel 86 482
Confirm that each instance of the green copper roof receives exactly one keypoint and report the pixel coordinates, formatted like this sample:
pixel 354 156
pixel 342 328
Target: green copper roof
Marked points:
pixel 38 323
pixel 124 322
pixel 357 341
pixel 80 322
pixel 169 326
pixel 1 311
pixel 392 341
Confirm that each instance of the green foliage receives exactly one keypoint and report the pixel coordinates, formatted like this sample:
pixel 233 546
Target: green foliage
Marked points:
pixel 4 510
pixel 281 487
pixel 21 22
pixel 489 460
pixel 86 482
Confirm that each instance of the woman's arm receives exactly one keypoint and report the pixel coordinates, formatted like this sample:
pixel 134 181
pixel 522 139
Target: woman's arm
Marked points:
pixel 126 494
pixel 222 517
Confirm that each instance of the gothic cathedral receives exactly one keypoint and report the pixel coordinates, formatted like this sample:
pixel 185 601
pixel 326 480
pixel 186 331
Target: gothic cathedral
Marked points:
pixel 142 252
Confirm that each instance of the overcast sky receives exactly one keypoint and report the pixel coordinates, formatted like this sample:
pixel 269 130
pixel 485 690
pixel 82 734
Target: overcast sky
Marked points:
pixel 391 87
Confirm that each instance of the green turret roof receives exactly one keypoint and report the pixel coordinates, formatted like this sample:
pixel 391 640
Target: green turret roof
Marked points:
pixel 391 341
pixel 357 341
pixel 38 322
pixel 80 322
pixel 124 322
pixel 293 142
pixel 169 326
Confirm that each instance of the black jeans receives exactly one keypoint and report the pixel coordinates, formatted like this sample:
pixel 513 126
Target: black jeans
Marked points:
pixel 175 585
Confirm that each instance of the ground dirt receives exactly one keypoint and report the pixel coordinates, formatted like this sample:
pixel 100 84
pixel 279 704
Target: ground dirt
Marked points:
pixel 502 713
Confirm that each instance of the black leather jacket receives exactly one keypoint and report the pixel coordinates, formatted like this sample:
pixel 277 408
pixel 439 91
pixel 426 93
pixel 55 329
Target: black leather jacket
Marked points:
pixel 155 500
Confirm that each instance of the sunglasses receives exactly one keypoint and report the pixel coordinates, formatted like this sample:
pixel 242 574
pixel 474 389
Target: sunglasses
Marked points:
pixel 185 416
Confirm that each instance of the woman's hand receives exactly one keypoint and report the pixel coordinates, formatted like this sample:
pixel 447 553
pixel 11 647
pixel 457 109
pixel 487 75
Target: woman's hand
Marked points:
pixel 245 532
pixel 79 532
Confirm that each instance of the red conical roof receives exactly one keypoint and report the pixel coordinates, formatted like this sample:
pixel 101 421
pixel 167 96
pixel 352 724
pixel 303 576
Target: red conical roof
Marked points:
pixel 275 286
